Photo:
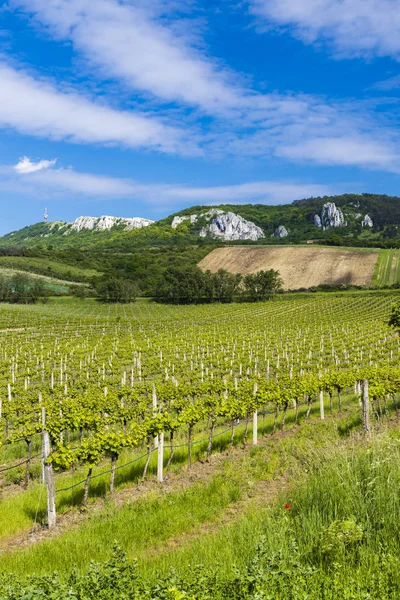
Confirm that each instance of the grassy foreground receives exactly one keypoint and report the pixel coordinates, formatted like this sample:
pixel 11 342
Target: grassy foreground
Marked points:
pixel 324 524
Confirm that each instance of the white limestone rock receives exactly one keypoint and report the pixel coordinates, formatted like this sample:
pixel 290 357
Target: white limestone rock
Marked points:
pixel 178 220
pixel 332 216
pixel 280 232
pixel 229 227
pixel 317 221
pixel 367 221
pixel 106 222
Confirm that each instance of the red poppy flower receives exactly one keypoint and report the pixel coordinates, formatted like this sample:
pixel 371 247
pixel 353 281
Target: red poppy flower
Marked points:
pixel 287 506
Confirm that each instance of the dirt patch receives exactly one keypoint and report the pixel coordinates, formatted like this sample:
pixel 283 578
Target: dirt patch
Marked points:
pixel 299 266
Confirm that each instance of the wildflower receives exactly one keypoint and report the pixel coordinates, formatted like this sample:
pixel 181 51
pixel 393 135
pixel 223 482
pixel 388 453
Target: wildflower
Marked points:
pixel 287 506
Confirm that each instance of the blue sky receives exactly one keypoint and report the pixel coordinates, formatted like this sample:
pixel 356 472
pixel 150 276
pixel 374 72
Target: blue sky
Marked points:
pixel 138 108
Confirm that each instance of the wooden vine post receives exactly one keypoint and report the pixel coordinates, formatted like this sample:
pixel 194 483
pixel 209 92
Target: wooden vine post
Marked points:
pixel 155 412
pixel 160 458
pixel 365 407
pixel 255 420
pixel 321 405
pixel 49 475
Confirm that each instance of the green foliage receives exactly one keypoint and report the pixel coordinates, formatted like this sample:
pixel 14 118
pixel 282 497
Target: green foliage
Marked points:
pixel 263 285
pixel 181 286
pixel 394 320
pixel 223 285
pixel 192 286
pixel 297 217
pixel 339 536
pixel 22 289
pixel 112 289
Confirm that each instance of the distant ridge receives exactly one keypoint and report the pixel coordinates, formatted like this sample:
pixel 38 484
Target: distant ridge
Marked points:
pixel 351 219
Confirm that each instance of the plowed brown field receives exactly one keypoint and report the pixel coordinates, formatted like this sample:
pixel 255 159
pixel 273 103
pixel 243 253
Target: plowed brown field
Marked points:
pixel 299 266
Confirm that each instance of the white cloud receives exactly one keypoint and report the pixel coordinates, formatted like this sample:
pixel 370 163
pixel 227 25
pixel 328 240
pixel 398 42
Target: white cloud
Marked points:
pixel 385 85
pixel 126 42
pixel 356 28
pixel 259 191
pixel 67 182
pixel 25 165
pixel 35 107
pixel 344 151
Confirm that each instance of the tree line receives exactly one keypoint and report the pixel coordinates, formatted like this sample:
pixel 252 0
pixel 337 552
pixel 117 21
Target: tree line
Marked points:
pixel 22 289
pixel 193 286
pixel 190 285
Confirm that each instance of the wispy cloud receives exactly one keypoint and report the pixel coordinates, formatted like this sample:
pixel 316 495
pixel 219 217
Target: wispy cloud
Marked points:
pixel 392 83
pixel 25 165
pixel 59 182
pixel 125 40
pixel 34 106
pixel 344 151
pixel 129 42
pixel 354 28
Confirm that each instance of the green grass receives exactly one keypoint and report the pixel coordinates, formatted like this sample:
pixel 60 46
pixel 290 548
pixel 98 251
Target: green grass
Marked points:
pixel 387 270
pixel 233 477
pixel 338 482
pixel 49 268
pixel 136 526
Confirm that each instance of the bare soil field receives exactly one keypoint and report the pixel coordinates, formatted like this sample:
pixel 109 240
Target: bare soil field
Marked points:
pixel 299 266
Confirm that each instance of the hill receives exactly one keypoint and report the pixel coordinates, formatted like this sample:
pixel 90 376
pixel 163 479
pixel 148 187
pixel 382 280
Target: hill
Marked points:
pixel 140 250
pixel 47 268
pixel 300 267
pixel 350 219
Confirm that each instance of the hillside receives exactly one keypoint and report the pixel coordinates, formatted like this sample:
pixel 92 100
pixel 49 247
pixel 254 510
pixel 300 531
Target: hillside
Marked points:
pixel 48 268
pixel 300 267
pixel 355 220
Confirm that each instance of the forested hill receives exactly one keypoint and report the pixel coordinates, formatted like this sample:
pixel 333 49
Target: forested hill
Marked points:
pixel 367 219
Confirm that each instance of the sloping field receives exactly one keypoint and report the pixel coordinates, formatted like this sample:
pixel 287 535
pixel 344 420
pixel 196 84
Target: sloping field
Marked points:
pixel 299 266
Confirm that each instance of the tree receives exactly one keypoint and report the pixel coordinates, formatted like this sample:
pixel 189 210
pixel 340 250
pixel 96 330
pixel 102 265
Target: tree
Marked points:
pixel 19 287
pixel 37 290
pixel 263 285
pixel 184 285
pixel 79 291
pixel 113 289
pixel 225 285
pixel 394 320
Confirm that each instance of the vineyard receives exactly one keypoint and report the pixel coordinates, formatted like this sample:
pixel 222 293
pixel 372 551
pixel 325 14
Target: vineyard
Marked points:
pixel 116 394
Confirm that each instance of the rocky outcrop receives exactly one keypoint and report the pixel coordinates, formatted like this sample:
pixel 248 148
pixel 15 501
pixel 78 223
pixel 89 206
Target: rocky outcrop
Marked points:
pixel 106 222
pixel 178 220
pixel 317 221
pixel 331 216
pixel 280 232
pixel 229 227
pixel 367 221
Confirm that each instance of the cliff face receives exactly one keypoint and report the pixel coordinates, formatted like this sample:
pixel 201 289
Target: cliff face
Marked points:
pixel 230 227
pixel 106 222
pixel 367 221
pixel 331 216
pixel 223 225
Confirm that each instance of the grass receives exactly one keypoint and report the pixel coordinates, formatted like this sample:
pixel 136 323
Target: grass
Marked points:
pixel 339 540
pixel 49 268
pixel 387 270
pixel 20 509
pixel 136 526
pixel 232 479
